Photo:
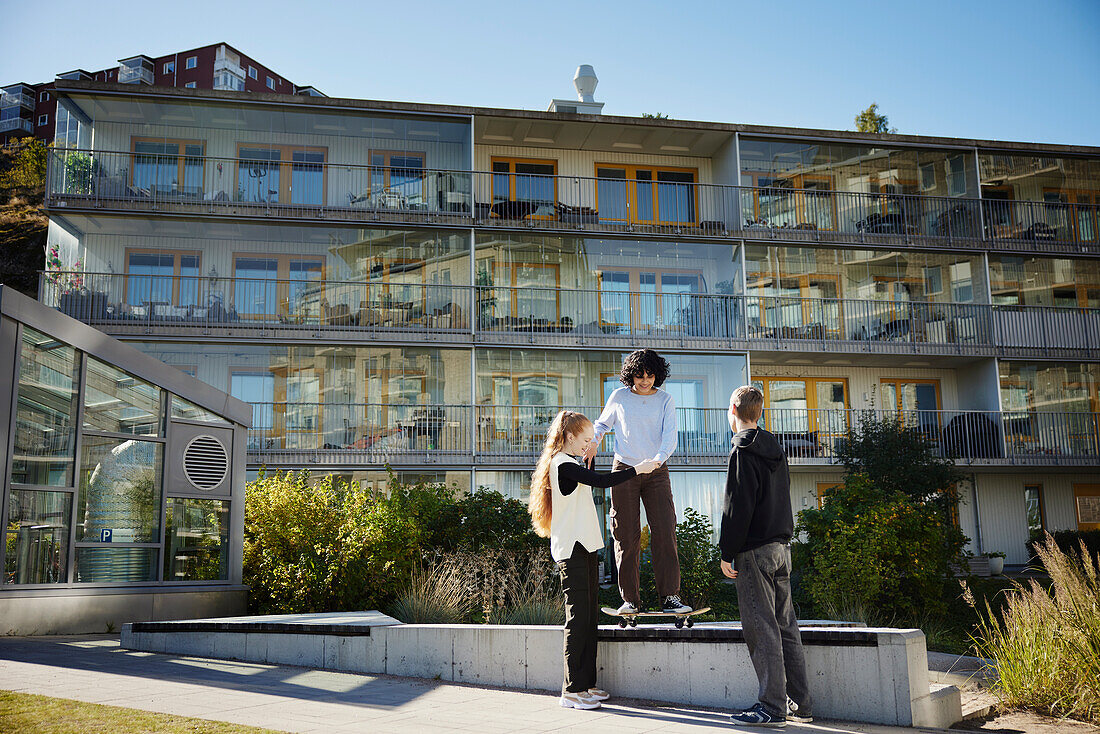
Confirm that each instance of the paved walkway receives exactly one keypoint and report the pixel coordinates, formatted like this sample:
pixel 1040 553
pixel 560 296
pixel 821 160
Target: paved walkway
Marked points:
pixel 97 670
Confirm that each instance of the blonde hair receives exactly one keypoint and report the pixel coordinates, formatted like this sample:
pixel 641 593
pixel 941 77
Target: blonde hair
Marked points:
pixel 748 402
pixel 539 505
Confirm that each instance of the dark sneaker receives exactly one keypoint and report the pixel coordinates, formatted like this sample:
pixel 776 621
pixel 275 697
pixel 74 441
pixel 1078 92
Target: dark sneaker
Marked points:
pixel 796 715
pixel 757 716
pixel 673 605
pixel 627 608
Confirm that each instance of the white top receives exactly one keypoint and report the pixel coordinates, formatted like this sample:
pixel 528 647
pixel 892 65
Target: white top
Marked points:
pixel 644 425
pixel 573 516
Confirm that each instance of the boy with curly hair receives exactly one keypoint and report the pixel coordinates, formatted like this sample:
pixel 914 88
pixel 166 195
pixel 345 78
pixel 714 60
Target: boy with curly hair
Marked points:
pixel 643 417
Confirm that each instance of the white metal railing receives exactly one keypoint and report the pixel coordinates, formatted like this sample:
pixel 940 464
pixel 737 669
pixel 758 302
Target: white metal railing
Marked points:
pixel 312 187
pixel 17 123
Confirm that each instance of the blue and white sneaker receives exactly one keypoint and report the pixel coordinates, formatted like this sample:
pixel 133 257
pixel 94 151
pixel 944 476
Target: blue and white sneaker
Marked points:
pixel 757 716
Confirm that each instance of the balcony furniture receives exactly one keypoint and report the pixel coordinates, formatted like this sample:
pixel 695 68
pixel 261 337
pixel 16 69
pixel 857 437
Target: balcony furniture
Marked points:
pixel 167 312
pixel 83 304
pixel 894 223
pixel 712 226
pixel 935 332
pixel 799 445
pixel 215 196
pixel 972 436
pixel 577 214
pixel 338 315
pixel 523 209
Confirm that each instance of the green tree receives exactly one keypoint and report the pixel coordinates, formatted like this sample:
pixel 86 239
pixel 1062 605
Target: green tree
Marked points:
pixel 655 115
pixel 23 222
pixel 884 543
pixel 27 171
pixel 870 121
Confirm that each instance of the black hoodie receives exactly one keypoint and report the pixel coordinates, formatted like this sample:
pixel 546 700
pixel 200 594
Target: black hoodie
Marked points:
pixel 757 507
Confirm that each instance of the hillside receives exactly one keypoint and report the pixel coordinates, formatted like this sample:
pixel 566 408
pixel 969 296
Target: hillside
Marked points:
pixel 22 215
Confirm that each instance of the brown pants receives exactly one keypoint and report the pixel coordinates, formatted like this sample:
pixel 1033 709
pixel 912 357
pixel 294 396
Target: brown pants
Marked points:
pixel 655 492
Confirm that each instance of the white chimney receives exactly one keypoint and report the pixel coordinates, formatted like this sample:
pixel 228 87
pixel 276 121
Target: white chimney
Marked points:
pixel 585 81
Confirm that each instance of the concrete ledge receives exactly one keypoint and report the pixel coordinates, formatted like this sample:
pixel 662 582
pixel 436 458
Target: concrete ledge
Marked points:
pixel 707 665
pixel 98 610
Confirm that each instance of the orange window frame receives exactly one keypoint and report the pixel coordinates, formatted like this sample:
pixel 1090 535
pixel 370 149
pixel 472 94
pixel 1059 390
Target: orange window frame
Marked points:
pixel 634 290
pixel 897 382
pixel 633 184
pixel 513 288
pixel 811 395
pixel 286 164
pixel 1080 491
pixel 181 155
pixel 387 166
pixel 511 174
pixel 176 255
pixel 797 189
pixel 282 280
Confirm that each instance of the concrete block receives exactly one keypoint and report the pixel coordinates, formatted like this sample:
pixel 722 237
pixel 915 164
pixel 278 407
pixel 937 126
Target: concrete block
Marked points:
pixel 492 656
pixel 643 669
pixel 230 645
pixel 196 644
pixel 290 649
pixel 719 674
pixel 545 659
pixel 421 651
pixel 256 646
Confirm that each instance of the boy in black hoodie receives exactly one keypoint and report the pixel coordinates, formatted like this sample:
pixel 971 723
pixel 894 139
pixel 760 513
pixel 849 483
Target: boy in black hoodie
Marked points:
pixel 757 525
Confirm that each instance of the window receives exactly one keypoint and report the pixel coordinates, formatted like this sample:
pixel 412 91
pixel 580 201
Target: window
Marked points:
pixel 161 282
pixel 46 409
pixel 44 97
pixel 117 402
pixel 927 176
pixel 281 174
pixel 397 178
pixel 190 85
pixel 646 195
pixel 270 83
pixel 37 537
pixel 933 281
pixel 43 119
pixel 1033 505
pixel 252 72
pixel 917 401
pixel 258 389
pixel 822 489
pixel 808 415
pixel 276 285
pixel 168 166
pixel 962 285
pixel 530 183
pixel 956 175
pixel 169 67
pixel 646 298
pixel 528 289
pixel 1087 499
pixel 197 536
pixel 191 63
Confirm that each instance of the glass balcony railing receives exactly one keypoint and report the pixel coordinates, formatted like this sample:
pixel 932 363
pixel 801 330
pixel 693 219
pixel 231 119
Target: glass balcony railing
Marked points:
pixel 514 434
pixel 16 123
pixel 120 303
pixel 310 187
pixel 134 75
pixel 17 99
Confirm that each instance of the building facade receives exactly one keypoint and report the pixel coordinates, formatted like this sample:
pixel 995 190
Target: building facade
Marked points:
pixel 30 109
pixel 425 286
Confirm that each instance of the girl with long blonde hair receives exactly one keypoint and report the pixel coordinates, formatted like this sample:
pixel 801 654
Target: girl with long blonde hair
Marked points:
pixel 562 510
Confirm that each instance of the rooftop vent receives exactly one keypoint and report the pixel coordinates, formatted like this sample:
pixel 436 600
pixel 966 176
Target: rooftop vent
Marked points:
pixel 585 81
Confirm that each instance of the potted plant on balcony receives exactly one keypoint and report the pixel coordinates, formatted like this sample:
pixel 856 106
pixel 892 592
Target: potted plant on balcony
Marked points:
pixel 996 562
pixel 73 296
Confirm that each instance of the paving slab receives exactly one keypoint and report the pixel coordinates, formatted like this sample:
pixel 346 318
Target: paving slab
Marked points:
pixel 298 699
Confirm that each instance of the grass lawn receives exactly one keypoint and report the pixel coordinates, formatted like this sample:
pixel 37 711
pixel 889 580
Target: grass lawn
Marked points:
pixel 25 712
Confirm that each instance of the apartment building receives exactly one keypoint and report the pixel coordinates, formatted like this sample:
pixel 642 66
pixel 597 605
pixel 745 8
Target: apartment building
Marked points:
pixel 30 109
pixel 425 286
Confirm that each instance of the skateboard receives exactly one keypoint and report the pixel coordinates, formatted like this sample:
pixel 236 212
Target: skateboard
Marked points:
pixel 683 619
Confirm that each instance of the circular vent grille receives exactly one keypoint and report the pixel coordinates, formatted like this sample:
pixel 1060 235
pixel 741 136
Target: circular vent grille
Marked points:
pixel 205 462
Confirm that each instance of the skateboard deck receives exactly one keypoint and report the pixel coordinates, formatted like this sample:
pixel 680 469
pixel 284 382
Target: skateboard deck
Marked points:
pixel 683 619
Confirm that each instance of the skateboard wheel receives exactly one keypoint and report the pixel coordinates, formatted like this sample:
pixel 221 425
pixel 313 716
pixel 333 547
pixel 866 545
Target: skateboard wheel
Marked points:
pixel 622 624
pixel 679 624
pixel 690 623
pixel 633 623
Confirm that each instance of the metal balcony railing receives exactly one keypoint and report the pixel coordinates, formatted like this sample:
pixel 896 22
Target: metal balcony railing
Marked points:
pixel 508 434
pixel 172 302
pixel 16 123
pixel 567 317
pixel 306 186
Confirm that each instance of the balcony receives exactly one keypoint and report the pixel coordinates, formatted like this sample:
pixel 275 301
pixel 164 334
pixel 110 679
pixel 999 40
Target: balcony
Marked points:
pixel 349 311
pixel 16 123
pixel 17 99
pixel 134 75
pixel 245 308
pixel 224 63
pixel 965 436
pixel 126 181
pixel 290 433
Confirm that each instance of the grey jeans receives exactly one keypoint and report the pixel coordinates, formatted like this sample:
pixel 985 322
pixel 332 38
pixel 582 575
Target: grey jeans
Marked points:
pixel 771 628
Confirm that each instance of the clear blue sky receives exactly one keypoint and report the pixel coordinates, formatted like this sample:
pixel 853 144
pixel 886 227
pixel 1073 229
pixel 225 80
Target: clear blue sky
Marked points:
pixel 998 69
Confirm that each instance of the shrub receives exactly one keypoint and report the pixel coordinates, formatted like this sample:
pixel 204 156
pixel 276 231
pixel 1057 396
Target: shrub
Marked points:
pixel 1067 541
pixel 435 596
pixel 1047 643
pixel 497 581
pixel 700 559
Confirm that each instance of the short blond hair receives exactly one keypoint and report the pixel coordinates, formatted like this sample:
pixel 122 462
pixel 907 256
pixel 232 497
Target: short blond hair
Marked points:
pixel 748 403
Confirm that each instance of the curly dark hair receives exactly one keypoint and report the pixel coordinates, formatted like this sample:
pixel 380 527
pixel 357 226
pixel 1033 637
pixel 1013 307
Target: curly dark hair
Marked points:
pixel 641 362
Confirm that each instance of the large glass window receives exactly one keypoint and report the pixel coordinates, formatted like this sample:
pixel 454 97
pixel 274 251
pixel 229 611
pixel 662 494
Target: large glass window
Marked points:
pixel 809 415
pixel 120 490
pixel 1033 506
pixel 115 565
pixel 1044 281
pixel 46 407
pixel 529 183
pixel 169 167
pixel 36 540
pixel 117 402
pixel 258 175
pixel 197 535
pixel 160 279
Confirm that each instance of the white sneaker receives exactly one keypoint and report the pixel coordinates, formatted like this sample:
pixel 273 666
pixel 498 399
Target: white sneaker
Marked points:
pixel 579 701
pixel 793 714
pixel 627 608
pixel 599 694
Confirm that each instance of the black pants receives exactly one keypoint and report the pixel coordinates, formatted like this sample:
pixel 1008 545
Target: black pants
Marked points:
pixel 580 582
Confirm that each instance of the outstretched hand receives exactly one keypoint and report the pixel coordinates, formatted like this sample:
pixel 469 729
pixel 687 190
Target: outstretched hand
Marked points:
pixel 646 466
pixel 590 451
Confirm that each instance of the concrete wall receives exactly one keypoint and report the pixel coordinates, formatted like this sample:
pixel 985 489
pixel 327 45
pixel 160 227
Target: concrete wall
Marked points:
pixel 106 610
pixel 706 666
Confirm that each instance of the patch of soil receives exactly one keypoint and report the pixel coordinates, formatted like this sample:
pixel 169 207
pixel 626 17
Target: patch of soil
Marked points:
pixel 1025 722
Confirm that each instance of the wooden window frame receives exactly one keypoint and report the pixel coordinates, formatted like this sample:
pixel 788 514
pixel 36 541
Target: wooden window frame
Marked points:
pixel 797 189
pixel 176 255
pixel 1042 504
pixel 634 290
pixel 512 161
pixel 515 377
pixel 387 167
pixel 1084 489
pixel 181 156
pixel 631 182
pixel 804 283
pixel 820 489
pixel 286 164
pixel 897 382
pixel 282 280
